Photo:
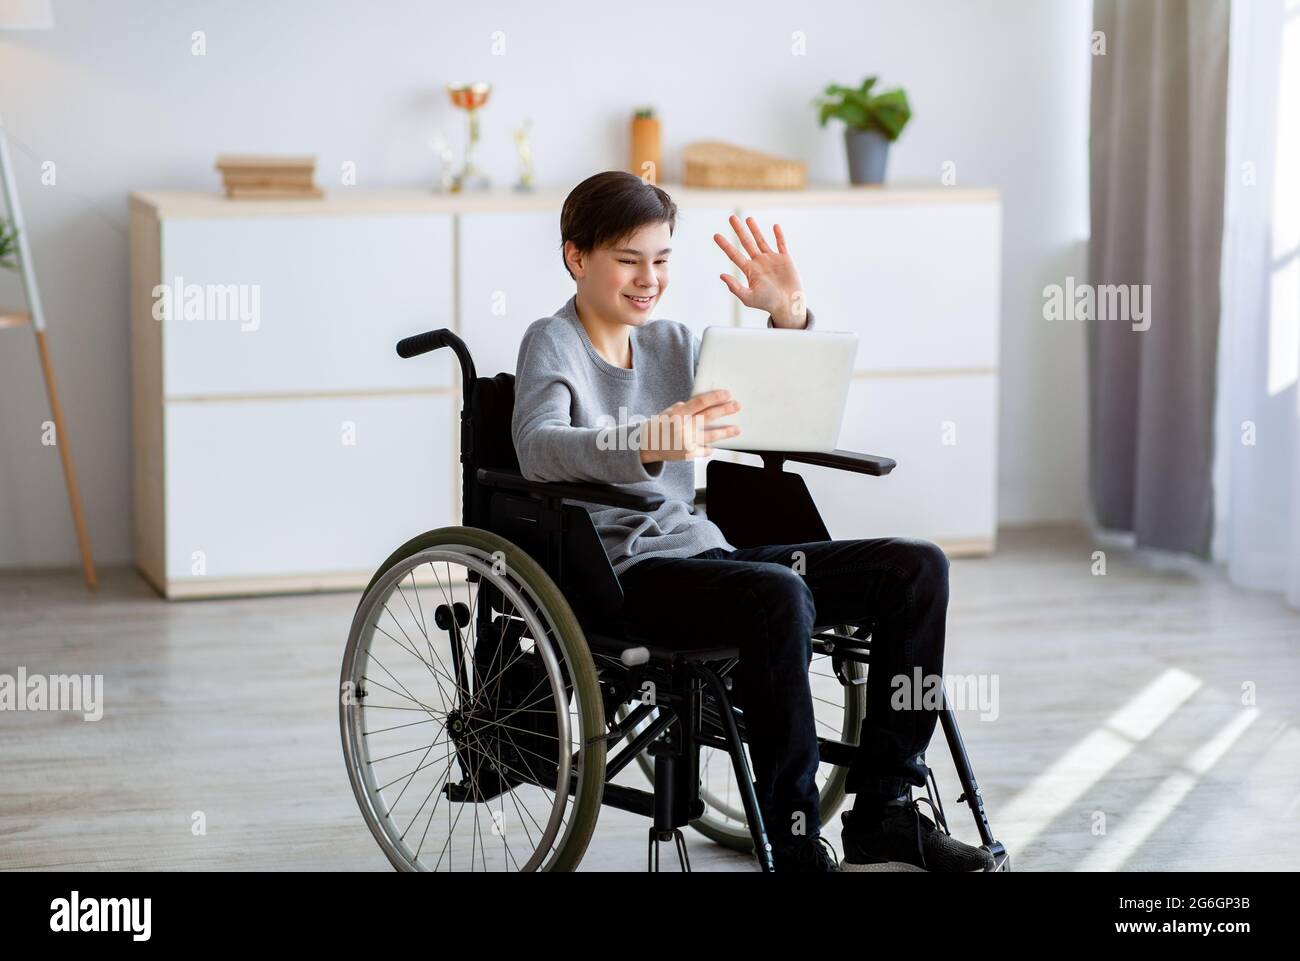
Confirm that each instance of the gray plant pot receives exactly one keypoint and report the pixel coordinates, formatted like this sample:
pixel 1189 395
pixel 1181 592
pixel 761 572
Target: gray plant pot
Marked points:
pixel 868 151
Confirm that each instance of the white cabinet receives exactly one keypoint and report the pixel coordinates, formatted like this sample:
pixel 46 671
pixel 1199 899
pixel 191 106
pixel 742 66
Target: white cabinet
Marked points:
pixel 317 488
pixel 280 442
pixel 942 430
pixel 293 450
pixel 332 297
pixel 919 284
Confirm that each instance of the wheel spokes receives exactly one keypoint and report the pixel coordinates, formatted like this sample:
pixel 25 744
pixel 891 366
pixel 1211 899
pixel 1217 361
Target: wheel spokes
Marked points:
pixel 504 735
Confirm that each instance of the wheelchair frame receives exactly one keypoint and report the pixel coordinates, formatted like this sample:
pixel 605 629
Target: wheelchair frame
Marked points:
pixel 562 539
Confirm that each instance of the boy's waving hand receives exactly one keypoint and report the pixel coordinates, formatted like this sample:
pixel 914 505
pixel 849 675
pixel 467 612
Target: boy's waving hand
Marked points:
pixel 774 283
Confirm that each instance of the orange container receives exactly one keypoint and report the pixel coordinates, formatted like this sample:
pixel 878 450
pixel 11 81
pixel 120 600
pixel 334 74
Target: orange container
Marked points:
pixel 646 150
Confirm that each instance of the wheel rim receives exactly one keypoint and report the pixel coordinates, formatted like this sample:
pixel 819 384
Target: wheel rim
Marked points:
pixel 488 787
pixel 724 817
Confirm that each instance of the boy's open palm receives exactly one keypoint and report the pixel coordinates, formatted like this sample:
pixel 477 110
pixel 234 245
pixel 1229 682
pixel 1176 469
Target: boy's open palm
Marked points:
pixel 774 284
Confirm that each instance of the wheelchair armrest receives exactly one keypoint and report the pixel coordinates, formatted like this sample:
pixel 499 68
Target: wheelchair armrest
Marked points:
pixel 575 490
pixel 839 459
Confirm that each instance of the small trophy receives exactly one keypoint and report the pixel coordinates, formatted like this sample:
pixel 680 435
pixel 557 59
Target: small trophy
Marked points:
pixel 525 149
pixel 469 97
pixel 446 158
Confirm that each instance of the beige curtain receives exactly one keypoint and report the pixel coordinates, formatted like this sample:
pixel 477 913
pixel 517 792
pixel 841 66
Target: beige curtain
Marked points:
pixel 1159 101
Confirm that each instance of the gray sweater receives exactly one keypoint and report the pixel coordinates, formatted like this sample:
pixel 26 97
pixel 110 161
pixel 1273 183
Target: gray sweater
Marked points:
pixel 579 418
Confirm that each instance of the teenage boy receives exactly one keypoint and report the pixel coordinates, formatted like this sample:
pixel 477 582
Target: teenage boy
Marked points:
pixel 603 393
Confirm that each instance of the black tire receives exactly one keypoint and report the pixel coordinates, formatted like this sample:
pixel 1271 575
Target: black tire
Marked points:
pixel 536 633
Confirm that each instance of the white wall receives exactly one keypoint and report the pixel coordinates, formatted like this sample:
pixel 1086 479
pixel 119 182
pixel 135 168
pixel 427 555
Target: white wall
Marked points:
pixel 115 98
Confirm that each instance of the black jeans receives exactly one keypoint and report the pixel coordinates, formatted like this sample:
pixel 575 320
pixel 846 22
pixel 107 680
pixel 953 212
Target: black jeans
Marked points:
pixel 767 600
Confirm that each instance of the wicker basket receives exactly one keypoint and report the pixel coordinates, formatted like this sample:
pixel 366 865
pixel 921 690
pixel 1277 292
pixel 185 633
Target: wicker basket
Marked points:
pixel 711 163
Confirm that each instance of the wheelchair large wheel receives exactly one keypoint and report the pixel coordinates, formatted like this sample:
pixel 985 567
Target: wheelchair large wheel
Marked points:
pixel 471 713
pixel 840 709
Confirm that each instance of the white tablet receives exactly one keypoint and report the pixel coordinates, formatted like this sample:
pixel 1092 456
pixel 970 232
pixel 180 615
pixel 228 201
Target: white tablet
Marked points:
pixel 792 385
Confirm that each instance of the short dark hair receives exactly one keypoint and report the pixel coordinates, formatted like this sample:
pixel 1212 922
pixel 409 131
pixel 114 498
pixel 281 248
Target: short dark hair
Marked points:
pixel 609 206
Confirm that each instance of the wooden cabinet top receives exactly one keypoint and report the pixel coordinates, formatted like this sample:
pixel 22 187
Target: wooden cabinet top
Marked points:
pixel 342 201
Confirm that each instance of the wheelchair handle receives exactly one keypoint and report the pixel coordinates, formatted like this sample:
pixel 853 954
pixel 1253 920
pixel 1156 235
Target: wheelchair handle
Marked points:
pixel 418 344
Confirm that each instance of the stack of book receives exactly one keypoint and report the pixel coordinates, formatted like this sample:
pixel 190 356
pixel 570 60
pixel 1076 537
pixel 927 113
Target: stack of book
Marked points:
pixel 250 177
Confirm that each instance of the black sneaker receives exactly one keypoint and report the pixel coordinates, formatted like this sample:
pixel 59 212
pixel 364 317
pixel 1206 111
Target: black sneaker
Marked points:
pixel 805 855
pixel 904 839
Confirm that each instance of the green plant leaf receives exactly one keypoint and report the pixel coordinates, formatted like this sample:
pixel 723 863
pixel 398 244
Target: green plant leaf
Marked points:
pixel 887 112
pixel 853 114
pixel 8 245
pixel 892 112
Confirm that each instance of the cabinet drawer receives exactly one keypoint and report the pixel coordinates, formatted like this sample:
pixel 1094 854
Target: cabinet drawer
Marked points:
pixel 303 304
pixel 271 487
pixel 918 283
pixel 945 492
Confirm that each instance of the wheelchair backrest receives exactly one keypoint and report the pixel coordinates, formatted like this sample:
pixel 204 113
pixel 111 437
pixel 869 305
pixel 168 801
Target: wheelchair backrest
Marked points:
pixel 491 410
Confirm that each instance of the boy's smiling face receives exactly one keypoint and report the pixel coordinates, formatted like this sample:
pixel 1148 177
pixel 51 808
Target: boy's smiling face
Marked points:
pixel 625 280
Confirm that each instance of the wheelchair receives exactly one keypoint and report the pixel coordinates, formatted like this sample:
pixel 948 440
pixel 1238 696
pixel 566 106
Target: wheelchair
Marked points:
pixel 490 695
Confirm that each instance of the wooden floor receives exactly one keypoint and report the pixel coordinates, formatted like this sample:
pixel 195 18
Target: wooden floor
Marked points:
pixel 1120 706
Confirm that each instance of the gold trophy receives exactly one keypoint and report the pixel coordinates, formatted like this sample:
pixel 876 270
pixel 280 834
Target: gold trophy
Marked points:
pixel 469 97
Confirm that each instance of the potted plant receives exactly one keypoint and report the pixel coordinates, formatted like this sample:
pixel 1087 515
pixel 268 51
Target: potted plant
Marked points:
pixel 871 123
pixel 8 244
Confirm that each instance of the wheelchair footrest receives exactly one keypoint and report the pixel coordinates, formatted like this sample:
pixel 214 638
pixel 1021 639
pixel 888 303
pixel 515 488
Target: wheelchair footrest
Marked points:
pixel 836 752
